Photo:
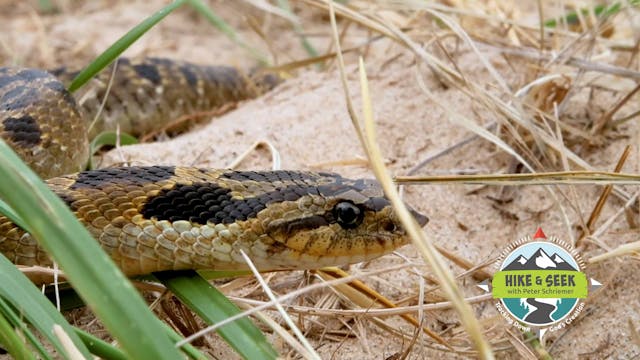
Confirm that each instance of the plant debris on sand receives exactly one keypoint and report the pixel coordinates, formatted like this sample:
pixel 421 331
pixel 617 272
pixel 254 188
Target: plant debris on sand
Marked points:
pixel 456 88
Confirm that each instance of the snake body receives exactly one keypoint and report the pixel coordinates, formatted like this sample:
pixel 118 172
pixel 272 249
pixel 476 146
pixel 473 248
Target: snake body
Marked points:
pixel 50 129
pixel 170 218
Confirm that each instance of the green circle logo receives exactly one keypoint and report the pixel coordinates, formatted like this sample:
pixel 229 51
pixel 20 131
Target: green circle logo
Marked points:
pixel 523 275
pixel 539 283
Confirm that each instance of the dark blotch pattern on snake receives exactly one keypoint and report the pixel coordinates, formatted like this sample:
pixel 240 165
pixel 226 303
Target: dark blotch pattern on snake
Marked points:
pixel 158 218
pixel 50 129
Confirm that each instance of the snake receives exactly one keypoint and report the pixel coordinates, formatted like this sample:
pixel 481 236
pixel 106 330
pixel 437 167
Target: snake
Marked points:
pixel 158 218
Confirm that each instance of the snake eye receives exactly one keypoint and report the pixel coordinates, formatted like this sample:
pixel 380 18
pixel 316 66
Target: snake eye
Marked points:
pixel 347 214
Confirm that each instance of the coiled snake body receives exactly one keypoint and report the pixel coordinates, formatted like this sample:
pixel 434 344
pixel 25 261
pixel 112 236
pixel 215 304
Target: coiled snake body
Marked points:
pixel 163 218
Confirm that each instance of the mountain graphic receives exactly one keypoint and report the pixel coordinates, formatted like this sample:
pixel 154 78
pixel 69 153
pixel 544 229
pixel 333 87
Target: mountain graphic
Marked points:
pixel 540 260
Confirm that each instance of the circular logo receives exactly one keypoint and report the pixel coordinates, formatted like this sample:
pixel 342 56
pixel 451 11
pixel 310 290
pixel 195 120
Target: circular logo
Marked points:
pixel 539 281
pixel 539 255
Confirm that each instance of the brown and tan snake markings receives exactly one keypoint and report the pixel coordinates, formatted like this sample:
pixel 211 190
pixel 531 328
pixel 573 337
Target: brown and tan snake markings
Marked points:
pixel 159 218
pixel 40 120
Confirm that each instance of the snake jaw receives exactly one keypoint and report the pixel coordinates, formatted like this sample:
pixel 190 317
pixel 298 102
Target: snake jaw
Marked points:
pixel 322 241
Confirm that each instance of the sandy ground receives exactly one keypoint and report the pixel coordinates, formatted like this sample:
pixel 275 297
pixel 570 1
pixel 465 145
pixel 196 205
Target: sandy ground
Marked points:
pixel 306 121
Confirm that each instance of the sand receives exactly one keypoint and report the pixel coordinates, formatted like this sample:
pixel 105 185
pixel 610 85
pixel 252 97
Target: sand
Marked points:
pixel 306 120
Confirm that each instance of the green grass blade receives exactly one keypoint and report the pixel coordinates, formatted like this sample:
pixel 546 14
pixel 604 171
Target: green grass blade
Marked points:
pixel 188 349
pixel 221 274
pixel 109 138
pixel 12 342
pixel 121 45
pixel 226 29
pixel 100 348
pixel 46 7
pixel 598 10
pixel 107 351
pixel 93 274
pixel 17 290
pixel 17 321
pixel 212 306
pixel 308 47
pixel 8 212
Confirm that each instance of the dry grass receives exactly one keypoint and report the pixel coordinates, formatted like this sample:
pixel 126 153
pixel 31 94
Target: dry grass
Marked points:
pixel 558 101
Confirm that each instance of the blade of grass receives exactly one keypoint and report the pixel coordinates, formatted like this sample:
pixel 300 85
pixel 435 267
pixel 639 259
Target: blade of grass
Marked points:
pixel 284 298
pixel 221 25
pixel 308 47
pixel 632 248
pixel 309 352
pixel 8 212
pixel 418 237
pixel 93 274
pixel 121 45
pixel 16 347
pixel 343 77
pixel 118 47
pixel 212 306
pixel 17 321
pixel 107 351
pixel 188 349
pixel 604 195
pixel 218 274
pixel 109 138
pixel 46 6
pixel 18 291
pixel 71 350
pixel 100 348
pixel 605 10
pixel 362 295
pixel 540 178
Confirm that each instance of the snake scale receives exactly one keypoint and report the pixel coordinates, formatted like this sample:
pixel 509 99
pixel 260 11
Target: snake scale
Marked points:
pixel 158 218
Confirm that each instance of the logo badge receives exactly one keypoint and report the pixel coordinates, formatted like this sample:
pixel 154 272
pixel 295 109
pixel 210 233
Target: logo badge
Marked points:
pixel 539 284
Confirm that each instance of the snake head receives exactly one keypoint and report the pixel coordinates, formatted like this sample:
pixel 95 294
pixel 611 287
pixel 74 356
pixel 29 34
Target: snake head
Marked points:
pixel 281 219
pixel 264 80
pixel 341 221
